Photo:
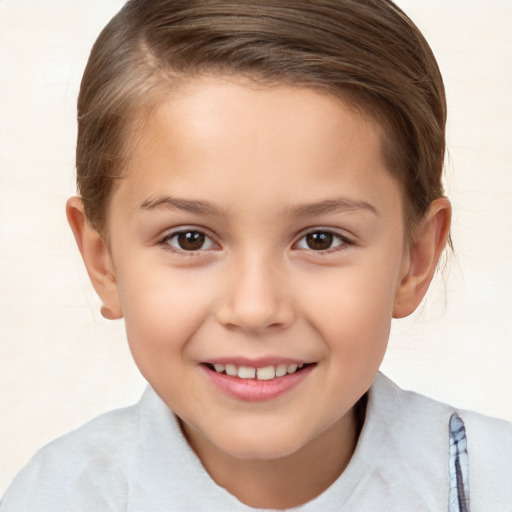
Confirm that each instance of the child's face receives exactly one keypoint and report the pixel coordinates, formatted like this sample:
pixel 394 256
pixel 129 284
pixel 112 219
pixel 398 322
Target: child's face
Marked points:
pixel 258 227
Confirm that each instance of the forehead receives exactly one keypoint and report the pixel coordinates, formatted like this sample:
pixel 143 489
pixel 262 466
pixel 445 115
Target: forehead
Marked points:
pixel 282 139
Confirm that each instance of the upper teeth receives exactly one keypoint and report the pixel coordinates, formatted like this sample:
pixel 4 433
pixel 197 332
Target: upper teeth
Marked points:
pixel 265 373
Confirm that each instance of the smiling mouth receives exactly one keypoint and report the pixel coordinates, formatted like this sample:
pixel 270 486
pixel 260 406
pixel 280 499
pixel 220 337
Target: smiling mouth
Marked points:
pixel 265 373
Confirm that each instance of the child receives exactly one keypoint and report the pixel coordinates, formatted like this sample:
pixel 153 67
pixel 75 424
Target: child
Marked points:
pixel 260 193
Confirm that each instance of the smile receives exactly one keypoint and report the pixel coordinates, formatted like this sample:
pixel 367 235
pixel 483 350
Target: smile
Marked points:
pixel 269 372
pixel 256 383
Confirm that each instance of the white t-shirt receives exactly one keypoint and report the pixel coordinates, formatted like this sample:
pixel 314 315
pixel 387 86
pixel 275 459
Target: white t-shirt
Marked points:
pixel 137 460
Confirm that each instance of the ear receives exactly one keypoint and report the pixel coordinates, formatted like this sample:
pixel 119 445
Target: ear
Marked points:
pixel 97 259
pixel 423 255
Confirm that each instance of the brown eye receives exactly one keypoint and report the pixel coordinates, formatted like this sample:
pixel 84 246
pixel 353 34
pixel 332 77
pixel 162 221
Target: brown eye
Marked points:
pixel 189 241
pixel 320 241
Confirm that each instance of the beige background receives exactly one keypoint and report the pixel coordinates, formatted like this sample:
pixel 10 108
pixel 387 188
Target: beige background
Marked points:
pixel 61 363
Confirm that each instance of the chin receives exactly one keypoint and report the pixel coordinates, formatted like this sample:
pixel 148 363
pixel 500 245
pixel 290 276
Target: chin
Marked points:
pixel 270 445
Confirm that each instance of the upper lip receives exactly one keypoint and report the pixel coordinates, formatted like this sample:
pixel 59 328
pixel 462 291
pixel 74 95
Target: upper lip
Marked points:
pixel 256 363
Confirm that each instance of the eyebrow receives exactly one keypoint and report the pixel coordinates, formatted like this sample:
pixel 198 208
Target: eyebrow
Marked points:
pixel 300 210
pixel 185 205
pixel 329 206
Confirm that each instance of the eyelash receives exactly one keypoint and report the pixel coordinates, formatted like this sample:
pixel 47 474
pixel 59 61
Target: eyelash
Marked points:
pixel 343 242
pixel 166 245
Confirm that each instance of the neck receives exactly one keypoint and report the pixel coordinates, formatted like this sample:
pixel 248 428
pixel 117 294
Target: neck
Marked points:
pixel 288 481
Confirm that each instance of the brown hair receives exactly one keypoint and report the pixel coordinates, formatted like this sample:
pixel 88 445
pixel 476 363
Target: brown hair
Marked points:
pixel 367 52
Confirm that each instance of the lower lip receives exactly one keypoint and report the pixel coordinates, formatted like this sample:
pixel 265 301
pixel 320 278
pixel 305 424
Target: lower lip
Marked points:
pixel 253 390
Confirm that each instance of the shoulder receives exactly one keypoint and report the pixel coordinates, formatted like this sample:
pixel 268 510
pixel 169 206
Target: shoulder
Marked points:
pixel 418 428
pixel 489 447
pixel 131 459
pixel 71 472
pixel 410 407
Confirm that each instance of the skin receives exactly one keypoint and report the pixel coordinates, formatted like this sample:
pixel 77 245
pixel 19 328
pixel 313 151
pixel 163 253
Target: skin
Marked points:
pixel 272 164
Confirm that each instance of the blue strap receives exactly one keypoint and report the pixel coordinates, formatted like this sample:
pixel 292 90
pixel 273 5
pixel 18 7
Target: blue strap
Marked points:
pixel 459 470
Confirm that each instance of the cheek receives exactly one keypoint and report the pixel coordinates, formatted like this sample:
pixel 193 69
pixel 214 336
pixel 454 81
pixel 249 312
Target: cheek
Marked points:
pixel 352 308
pixel 353 318
pixel 162 311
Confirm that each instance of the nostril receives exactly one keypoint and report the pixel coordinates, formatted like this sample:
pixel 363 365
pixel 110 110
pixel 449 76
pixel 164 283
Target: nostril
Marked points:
pixel 254 316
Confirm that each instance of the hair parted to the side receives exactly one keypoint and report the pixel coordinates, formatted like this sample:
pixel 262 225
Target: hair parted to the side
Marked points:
pixel 367 52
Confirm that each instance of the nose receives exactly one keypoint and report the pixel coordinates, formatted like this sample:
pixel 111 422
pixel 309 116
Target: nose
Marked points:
pixel 256 298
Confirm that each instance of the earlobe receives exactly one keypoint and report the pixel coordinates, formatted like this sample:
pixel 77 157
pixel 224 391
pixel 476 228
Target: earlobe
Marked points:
pixel 96 257
pixel 429 241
